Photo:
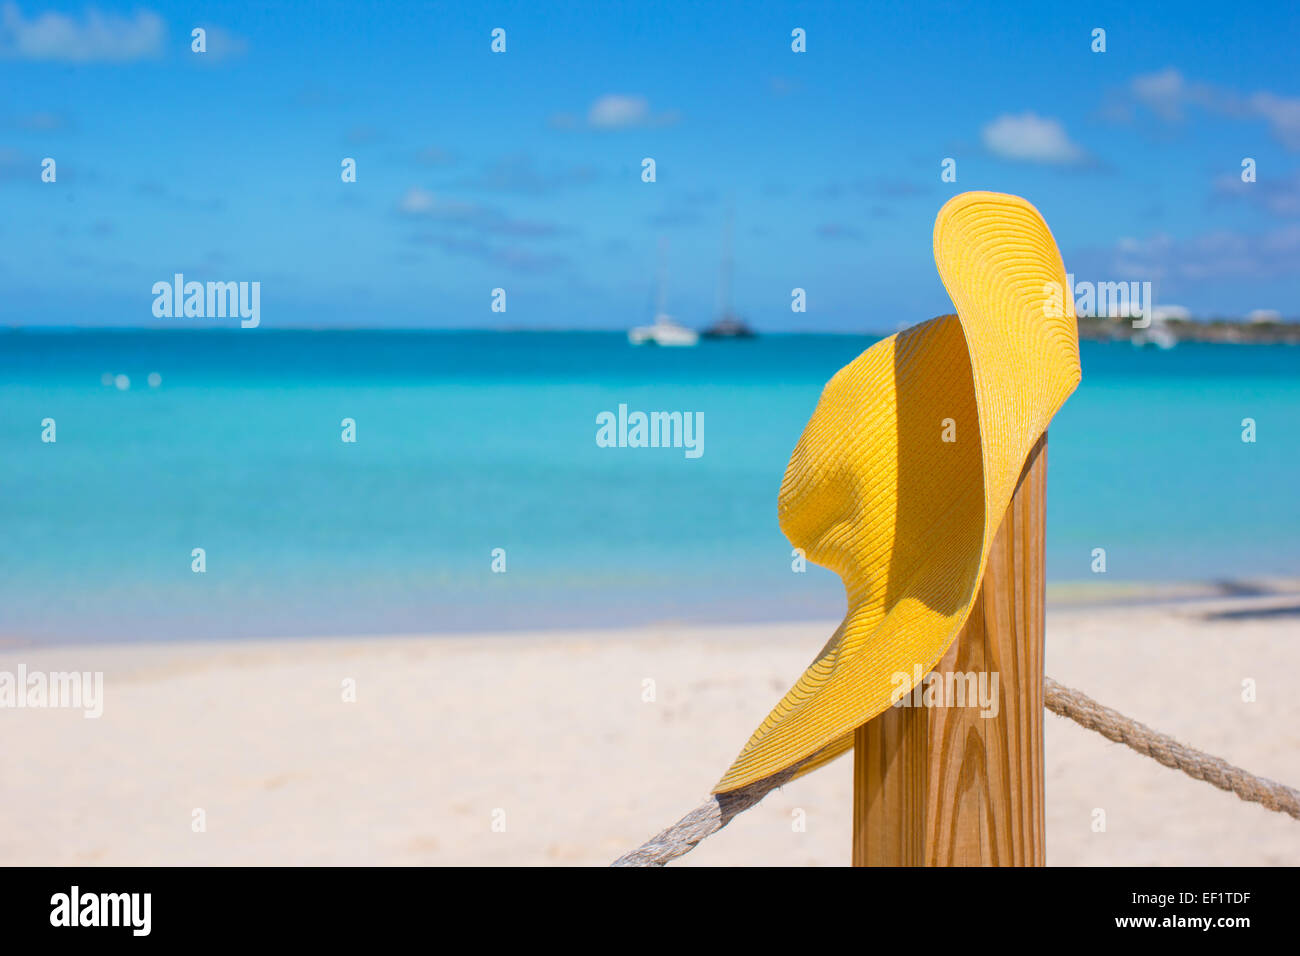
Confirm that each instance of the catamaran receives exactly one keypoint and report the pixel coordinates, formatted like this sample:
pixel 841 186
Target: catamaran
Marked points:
pixel 663 330
pixel 728 325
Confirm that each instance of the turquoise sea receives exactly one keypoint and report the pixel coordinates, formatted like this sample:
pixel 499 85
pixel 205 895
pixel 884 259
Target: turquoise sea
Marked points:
pixel 468 442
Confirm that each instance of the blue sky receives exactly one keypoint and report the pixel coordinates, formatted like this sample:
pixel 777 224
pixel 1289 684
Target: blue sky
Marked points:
pixel 522 170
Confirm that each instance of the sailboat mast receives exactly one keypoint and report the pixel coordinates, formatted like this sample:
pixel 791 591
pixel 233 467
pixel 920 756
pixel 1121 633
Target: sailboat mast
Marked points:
pixel 724 281
pixel 661 291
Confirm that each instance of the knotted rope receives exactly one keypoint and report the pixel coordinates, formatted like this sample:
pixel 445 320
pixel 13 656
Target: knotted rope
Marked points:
pixel 716 812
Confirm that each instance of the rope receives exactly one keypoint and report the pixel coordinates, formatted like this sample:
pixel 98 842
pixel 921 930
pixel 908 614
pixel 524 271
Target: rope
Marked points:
pixel 705 820
pixel 1113 725
pixel 716 812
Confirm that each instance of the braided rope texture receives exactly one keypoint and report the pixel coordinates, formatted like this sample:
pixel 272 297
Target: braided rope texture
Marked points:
pixel 716 812
pixel 1111 724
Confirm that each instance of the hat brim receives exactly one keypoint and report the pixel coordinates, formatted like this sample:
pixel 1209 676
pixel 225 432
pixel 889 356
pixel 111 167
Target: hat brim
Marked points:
pixel 906 467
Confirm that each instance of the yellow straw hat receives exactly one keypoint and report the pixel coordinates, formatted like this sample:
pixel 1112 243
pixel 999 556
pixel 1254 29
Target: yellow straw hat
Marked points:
pixel 901 478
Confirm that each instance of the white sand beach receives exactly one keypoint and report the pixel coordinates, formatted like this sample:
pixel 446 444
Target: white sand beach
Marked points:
pixel 549 734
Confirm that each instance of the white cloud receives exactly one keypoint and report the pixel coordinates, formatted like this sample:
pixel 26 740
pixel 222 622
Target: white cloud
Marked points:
pixel 420 202
pixel 1031 138
pixel 1283 116
pixel 619 111
pixel 1163 92
pixel 416 201
pixel 612 111
pixel 95 37
pixel 1168 94
pixel 1215 255
pixel 1279 194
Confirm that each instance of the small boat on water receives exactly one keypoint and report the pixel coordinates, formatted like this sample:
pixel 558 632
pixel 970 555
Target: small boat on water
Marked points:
pixel 1157 334
pixel 728 325
pixel 663 331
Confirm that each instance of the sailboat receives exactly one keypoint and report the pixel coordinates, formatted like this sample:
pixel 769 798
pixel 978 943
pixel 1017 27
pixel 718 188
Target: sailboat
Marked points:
pixel 728 324
pixel 663 330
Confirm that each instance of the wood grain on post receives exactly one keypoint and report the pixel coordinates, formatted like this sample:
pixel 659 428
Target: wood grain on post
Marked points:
pixel 943 786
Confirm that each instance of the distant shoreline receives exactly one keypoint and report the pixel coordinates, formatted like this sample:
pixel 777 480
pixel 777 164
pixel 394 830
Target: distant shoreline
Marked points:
pixel 1091 329
pixel 1080 593
pixel 1217 331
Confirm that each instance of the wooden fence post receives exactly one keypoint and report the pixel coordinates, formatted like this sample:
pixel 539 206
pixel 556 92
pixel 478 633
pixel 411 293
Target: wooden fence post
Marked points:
pixel 943 786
